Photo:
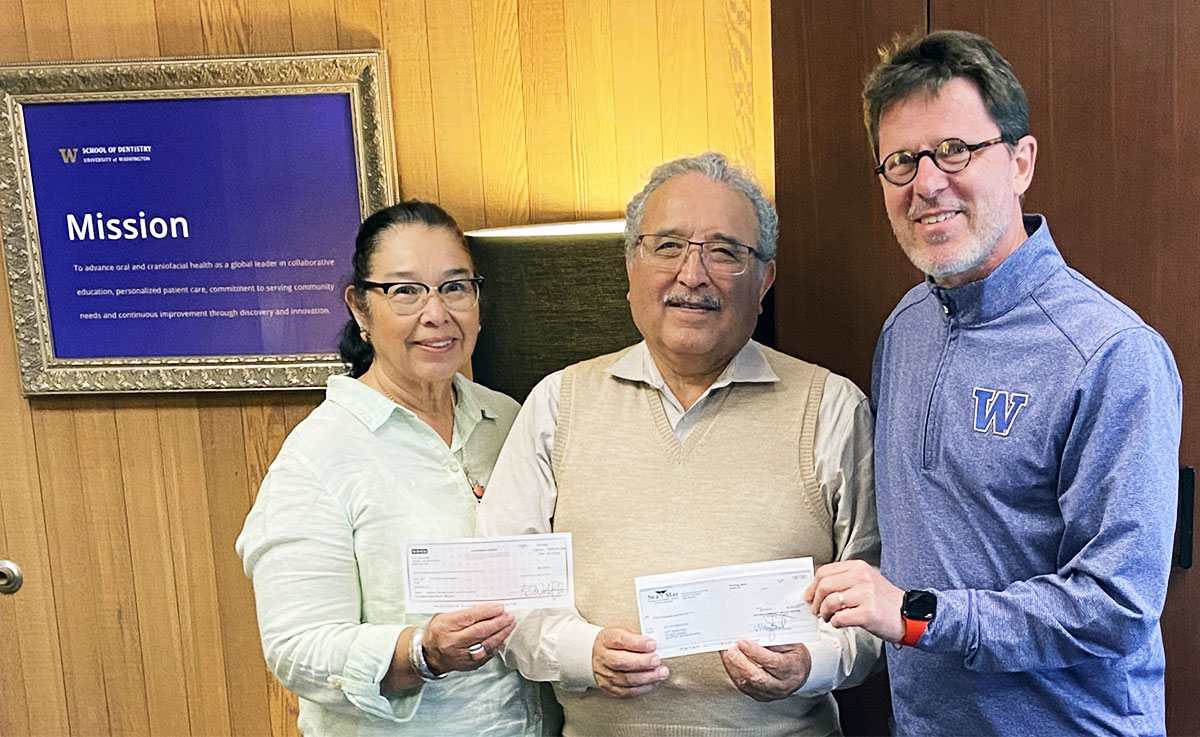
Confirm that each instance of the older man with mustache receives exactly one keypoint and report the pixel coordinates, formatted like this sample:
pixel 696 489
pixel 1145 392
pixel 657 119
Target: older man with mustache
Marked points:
pixel 697 447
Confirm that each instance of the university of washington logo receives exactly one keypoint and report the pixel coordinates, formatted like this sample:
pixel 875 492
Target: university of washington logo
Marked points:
pixel 996 411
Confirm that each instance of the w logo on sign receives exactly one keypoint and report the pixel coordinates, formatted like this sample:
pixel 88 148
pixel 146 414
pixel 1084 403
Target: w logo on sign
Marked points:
pixel 68 155
pixel 995 411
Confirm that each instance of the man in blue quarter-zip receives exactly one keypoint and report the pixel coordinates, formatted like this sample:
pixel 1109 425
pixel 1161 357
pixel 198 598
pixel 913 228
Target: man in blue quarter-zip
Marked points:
pixel 1027 436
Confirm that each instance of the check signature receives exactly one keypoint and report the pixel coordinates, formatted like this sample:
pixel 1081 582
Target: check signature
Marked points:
pixel 549 588
pixel 772 623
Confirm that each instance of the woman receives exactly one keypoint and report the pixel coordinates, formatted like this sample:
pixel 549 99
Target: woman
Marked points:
pixel 399 450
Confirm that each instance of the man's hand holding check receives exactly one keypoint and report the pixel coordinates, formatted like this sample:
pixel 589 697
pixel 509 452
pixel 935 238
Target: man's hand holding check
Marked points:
pixel 715 610
pixel 767 673
pixel 626 663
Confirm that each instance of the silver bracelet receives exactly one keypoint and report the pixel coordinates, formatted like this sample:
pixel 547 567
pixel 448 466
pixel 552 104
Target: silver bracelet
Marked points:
pixel 416 658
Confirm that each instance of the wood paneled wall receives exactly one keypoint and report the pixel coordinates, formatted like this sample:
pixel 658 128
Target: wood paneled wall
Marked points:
pixel 135 617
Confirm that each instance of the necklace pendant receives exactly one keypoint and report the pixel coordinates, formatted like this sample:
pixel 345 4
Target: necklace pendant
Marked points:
pixel 477 489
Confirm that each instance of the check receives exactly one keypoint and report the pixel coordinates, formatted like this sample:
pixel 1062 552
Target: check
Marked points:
pixel 520 572
pixel 709 609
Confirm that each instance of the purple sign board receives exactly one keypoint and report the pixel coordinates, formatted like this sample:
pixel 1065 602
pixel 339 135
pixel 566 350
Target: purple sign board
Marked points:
pixel 199 227
pixel 177 234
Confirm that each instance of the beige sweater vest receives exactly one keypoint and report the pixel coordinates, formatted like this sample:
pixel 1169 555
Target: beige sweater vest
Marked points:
pixel 742 488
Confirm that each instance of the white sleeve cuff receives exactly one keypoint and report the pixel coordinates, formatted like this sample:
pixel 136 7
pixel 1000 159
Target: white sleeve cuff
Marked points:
pixel 826 654
pixel 575 654
pixel 367 663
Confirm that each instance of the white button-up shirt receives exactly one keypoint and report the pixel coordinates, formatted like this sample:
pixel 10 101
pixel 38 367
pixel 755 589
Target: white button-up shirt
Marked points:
pixel 324 546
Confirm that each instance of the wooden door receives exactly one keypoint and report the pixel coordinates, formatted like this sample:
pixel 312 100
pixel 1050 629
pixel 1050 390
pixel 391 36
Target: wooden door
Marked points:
pixel 135 617
pixel 1114 91
pixel 839 270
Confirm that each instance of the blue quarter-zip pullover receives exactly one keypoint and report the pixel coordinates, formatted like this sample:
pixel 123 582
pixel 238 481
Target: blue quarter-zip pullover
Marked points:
pixel 1026 452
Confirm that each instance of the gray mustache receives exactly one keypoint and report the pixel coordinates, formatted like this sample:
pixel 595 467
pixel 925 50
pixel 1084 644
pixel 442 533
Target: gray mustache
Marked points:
pixel 700 301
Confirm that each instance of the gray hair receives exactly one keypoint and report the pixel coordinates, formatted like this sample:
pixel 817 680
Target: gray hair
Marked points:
pixel 717 167
pixel 926 62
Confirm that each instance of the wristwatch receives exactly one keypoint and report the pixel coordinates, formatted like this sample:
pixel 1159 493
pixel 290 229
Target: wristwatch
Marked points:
pixel 917 610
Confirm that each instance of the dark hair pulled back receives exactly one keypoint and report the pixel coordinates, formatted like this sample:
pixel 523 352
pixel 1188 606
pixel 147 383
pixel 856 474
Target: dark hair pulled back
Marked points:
pixel 354 350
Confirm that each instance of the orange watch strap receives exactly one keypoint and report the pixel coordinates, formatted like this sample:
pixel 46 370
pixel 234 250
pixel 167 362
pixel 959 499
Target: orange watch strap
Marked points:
pixel 913 629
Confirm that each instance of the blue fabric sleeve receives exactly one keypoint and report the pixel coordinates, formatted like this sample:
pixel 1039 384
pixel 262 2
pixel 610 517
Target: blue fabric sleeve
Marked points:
pixel 876 365
pixel 1117 495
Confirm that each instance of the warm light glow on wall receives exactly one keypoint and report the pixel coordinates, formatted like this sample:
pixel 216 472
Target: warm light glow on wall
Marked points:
pixel 553 230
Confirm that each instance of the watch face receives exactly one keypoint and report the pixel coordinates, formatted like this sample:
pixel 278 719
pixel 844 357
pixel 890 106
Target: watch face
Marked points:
pixel 919 605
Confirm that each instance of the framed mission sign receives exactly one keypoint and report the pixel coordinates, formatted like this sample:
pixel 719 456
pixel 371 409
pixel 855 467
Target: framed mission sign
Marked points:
pixel 187 224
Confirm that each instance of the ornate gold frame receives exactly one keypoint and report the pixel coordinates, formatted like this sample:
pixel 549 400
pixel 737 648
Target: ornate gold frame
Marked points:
pixel 361 74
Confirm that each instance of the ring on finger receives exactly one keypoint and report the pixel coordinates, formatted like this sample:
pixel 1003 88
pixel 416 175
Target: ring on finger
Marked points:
pixel 477 649
pixel 841 601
